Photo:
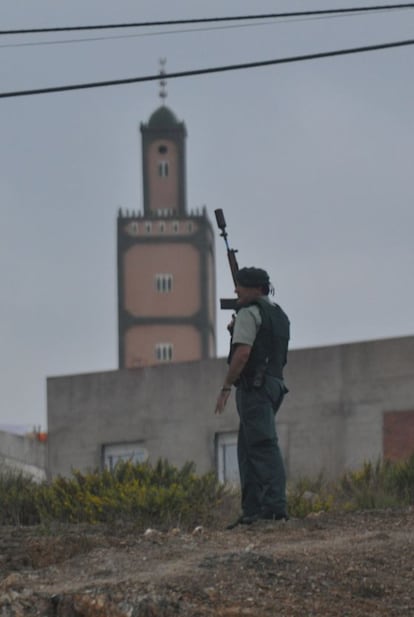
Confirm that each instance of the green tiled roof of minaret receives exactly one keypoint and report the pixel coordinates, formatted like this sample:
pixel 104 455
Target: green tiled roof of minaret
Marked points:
pixel 162 118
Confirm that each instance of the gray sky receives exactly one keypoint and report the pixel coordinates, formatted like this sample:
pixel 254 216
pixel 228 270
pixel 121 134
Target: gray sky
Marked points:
pixel 311 162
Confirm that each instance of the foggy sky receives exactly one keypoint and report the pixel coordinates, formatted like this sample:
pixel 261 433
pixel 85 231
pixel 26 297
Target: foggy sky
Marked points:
pixel 311 162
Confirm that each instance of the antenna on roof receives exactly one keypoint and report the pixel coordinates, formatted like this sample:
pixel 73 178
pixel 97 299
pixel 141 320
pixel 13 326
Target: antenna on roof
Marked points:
pixel 163 82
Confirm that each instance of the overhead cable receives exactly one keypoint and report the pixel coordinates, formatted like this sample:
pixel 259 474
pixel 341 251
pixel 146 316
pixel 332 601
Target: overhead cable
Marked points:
pixel 218 69
pixel 146 24
pixel 152 33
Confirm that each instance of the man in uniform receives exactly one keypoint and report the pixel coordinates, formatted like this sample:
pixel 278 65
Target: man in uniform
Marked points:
pixel 260 337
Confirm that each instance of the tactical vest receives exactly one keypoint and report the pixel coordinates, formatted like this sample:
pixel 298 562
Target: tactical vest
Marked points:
pixel 268 355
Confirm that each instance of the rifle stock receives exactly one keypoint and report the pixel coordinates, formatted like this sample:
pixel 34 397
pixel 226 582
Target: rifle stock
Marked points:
pixel 227 303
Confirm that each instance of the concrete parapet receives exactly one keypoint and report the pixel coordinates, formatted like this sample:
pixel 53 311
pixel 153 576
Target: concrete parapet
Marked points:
pixel 331 420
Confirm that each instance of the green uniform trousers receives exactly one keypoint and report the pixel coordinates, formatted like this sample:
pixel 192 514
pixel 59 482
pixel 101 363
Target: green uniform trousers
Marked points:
pixel 261 468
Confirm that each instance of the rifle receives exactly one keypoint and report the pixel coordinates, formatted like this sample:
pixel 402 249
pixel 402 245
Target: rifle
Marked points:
pixel 227 303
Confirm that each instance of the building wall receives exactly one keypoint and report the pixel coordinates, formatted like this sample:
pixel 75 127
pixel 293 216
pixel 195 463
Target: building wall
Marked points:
pixel 23 453
pixel 182 261
pixel 140 340
pixel 331 420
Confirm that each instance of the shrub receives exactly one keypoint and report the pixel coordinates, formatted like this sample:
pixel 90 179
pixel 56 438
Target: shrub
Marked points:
pixel 17 501
pixel 161 495
pixel 378 485
pixel 306 496
pixel 165 496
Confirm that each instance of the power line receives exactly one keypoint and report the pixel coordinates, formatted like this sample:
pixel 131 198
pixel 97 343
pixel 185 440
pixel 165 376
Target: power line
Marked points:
pixel 219 69
pixel 176 31
pixel 361 9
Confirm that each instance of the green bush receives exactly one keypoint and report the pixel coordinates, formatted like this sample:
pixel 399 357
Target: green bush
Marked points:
pixel 378 485
pixel 17 502
pixel 306 496
pixel 164 496
pixel 375 486
pixel 161 495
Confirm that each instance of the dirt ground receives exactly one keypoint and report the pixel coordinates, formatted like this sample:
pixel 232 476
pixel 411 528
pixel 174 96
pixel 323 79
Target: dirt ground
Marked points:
pixel 327 565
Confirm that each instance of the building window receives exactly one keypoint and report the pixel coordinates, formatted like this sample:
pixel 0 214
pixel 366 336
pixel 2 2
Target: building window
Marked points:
pixel 133 228
pixel 163 169
pixel 164 283
pixel 226 458
pixel 164 352
pixel 164 211
pixel 162 227
pixel 148 227
pixel 114 453
pixel 176 227
pixel 162 149
pixel 190 227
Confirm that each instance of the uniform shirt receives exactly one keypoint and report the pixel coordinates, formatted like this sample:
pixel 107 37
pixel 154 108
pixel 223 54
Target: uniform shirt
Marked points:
pixel 247 324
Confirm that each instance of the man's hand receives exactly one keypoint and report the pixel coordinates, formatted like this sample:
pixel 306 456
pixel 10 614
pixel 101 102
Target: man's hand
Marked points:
pixel 222 399
pixel 238 361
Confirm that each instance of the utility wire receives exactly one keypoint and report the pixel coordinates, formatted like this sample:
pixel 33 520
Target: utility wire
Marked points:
pixel 219 69
pixel 176 31
pixel 360 9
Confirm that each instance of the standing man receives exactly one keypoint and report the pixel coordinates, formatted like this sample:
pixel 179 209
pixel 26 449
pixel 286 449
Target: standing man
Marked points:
pixel 259 345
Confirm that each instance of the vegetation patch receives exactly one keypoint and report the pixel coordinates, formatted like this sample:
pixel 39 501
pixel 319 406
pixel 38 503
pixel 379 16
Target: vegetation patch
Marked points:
pixel 164 496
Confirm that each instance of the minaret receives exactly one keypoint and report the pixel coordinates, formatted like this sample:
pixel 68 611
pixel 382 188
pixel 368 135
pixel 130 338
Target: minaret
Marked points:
pixel 166 264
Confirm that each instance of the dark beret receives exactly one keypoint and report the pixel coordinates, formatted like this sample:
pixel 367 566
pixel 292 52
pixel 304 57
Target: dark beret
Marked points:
pixel 252 277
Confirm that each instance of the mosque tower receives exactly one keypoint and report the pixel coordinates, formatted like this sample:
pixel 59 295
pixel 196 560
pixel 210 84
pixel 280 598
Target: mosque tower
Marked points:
pixel 166 262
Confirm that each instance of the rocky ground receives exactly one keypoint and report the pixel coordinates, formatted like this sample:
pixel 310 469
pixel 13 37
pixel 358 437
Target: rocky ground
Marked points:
pixel 329 565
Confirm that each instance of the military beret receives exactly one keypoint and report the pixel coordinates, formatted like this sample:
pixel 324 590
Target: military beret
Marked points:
pixel 252 277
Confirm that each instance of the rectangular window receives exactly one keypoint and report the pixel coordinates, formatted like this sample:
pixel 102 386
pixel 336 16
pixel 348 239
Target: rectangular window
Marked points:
pixel 164 352
pixel 148 227
pixel 226 458
pixel 163 169
pixel 113 453
pixel 164 283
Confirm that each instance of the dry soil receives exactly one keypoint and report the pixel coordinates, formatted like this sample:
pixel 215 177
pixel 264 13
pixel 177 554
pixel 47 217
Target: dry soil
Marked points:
pixel 329 565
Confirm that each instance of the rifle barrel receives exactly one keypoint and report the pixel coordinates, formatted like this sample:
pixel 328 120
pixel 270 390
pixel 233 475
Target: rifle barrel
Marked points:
pixel 226 303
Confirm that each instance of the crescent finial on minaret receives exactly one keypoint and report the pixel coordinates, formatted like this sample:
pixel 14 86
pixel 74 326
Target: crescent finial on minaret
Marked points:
pixel 163 82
